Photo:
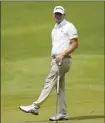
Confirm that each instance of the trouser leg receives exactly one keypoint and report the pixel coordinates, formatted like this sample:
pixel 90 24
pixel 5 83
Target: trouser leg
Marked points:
pixel 50 83
pixel 62 93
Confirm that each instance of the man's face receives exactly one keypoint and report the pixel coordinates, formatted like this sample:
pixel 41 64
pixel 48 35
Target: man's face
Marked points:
pixel 58 17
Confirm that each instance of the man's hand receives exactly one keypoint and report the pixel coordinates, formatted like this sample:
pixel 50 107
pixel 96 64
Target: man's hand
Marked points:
pixel 59 57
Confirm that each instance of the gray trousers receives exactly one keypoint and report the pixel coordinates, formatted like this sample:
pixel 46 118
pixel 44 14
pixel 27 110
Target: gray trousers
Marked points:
pixel 51 82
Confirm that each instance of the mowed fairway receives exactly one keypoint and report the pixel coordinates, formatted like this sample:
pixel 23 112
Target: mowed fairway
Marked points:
pixel 25 61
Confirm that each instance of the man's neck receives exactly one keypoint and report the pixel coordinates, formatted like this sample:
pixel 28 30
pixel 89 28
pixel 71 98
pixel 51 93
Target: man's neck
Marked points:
pixel 59 22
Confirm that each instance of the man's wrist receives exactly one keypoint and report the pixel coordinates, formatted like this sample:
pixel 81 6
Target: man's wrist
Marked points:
pixel 67 52
pixel 63 54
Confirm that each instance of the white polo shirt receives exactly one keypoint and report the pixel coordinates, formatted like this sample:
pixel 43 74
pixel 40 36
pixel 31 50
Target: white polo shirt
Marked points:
pixel 61 36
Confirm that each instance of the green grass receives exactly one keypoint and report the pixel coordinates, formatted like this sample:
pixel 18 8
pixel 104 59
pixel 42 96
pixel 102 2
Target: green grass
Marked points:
pixel 25 61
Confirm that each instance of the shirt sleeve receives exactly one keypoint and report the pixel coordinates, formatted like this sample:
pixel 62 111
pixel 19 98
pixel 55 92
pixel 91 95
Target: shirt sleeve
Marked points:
pixel 72 32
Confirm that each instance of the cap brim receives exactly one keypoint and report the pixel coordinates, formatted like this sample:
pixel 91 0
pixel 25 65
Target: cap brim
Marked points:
pixel 59 11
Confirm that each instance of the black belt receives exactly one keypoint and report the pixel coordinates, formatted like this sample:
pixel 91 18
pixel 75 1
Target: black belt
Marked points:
pixel 54 56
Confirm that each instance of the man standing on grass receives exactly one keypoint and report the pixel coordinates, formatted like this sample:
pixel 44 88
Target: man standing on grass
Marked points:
pixel 64 42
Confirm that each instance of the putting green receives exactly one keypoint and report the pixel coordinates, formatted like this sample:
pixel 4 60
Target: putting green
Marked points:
pixel 25 61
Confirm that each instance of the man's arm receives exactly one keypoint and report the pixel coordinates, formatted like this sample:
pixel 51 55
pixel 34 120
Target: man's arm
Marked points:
pixel 74 45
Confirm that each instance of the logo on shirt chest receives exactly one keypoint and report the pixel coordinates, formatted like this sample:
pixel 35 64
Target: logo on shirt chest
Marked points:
pixel 63 33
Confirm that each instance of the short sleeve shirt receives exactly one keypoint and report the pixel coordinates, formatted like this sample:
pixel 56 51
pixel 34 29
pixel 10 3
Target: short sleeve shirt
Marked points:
pixel 62 34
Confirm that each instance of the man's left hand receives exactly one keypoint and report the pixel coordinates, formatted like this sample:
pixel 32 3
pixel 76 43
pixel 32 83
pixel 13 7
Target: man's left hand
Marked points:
pixel 60 57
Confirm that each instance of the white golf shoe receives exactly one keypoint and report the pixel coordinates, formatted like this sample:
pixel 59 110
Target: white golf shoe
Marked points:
pixel 59 116
pixel 30 109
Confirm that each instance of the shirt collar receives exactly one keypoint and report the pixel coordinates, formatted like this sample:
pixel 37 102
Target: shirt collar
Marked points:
pixel 61 24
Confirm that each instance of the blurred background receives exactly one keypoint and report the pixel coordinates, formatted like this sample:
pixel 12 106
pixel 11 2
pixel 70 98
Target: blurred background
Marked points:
pixel 26 55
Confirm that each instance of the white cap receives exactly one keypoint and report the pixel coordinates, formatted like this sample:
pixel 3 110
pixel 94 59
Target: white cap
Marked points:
pixel 59 9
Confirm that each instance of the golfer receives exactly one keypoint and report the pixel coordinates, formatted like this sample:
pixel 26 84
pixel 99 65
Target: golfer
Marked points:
pixel 64 42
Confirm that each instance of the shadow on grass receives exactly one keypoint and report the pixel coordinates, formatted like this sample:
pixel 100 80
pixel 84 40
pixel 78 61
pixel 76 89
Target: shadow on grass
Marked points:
pixel 72 118
pixel 87 117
